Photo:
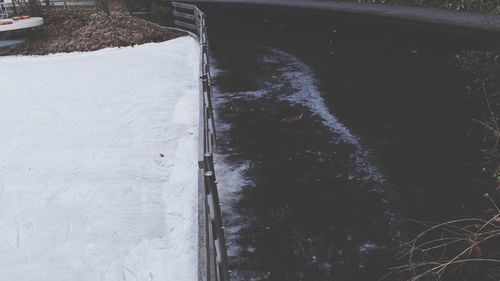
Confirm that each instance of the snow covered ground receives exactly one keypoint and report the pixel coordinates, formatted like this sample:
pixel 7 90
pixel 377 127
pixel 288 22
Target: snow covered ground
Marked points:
pixel 98 164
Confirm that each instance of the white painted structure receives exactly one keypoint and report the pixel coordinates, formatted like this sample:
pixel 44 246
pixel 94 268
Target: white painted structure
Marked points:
pixel 22 24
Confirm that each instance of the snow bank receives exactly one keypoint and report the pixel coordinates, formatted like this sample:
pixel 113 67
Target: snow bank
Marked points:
pixel 98 169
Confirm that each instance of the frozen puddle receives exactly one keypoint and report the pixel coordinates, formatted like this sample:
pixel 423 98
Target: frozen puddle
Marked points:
pixel 98 170
pixel 303 199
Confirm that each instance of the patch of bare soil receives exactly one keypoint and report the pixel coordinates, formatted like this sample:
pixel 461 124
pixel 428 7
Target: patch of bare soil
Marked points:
pixel 87 30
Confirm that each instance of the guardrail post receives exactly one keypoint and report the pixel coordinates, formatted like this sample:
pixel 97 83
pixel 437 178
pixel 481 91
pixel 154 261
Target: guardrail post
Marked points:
pixel 220 242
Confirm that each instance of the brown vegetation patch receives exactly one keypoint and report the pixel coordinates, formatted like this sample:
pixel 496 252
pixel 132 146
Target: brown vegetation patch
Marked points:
pixel 86 30
pixel 484 6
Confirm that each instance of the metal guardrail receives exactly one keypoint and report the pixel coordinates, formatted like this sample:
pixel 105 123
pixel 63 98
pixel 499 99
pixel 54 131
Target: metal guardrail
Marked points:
pixel 7 9
pixel 213 263
pixel 69 3
pixel 4 11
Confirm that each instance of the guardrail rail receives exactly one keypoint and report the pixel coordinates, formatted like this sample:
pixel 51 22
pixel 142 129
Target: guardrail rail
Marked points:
pixel 212 261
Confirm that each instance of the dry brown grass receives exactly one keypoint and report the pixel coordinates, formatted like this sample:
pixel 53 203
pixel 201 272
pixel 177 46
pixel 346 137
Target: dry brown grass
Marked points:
pixel 452 247
pixel 491 120
pixel 85 30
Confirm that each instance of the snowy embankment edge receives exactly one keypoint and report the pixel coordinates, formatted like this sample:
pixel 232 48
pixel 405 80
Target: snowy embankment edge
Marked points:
pixel 61 105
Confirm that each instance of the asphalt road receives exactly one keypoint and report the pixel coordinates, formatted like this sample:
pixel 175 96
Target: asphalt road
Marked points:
pixel 450 18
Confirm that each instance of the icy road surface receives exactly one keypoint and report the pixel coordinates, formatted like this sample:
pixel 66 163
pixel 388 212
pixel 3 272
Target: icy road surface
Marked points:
pixel 98 164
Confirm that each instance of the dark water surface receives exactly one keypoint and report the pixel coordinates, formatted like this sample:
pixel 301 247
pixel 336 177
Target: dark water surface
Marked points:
pixel 332 132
